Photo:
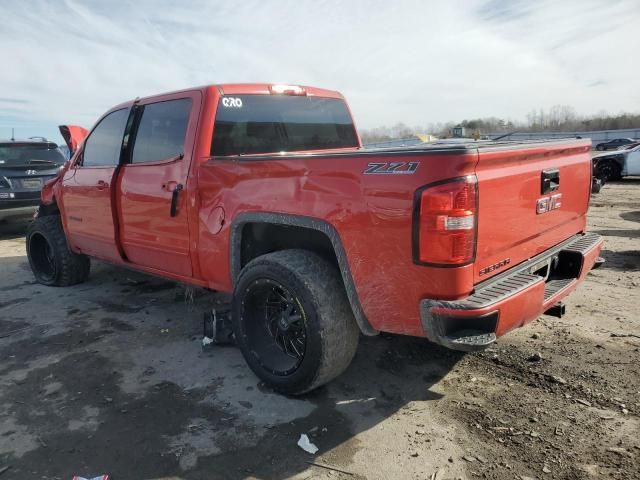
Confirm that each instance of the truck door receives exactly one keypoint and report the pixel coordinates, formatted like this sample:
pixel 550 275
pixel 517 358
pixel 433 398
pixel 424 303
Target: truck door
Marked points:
pixel 87 189
pixel 152 188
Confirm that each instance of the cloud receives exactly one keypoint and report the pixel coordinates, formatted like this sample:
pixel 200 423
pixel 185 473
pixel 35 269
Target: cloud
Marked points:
pixel 13 100
pixel 411 61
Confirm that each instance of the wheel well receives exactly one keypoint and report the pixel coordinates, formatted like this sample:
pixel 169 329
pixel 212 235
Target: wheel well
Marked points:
pixel 262 238
pixel 50 209
pixel 614 162
pixel 255 234
pixel 617 160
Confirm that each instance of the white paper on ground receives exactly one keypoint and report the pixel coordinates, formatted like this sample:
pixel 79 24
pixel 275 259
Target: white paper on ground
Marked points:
pixel 305 444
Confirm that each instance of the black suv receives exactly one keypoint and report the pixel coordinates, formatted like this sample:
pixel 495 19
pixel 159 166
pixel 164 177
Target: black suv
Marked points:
pixel 25 165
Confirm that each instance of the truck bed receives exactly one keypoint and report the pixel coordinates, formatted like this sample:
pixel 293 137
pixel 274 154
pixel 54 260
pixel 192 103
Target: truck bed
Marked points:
pixel 372 214
pixel 425 148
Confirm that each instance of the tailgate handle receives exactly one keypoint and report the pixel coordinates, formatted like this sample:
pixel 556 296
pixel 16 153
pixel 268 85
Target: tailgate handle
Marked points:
pixel 550 180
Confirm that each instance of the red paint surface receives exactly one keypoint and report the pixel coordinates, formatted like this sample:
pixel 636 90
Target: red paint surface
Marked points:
pixel 128 223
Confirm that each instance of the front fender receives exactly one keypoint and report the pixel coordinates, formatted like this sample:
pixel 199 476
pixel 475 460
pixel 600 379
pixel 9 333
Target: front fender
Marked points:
pixel 47 194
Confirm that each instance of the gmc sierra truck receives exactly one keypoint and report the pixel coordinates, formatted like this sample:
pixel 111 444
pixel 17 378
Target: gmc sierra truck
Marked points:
pixel 265 191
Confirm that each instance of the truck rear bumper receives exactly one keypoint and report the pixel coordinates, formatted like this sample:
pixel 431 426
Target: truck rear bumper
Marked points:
pixel 511 299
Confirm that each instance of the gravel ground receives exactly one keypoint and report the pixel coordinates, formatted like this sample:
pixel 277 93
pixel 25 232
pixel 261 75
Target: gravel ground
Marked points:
pixel 110 377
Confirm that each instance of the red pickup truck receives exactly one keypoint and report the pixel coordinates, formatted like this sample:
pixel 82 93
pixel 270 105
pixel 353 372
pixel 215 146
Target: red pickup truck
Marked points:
pixel 266 191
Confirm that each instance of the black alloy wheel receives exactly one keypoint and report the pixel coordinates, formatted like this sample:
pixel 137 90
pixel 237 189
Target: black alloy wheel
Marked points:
pixel 275 326
pixel 292 320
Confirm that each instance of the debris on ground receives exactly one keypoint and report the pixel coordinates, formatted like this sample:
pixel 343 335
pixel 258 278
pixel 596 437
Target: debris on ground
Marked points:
pixel 620 451
pixel 624 335
pixel 329 467
pixel 217 328
pixel 536 357
pixel 305 444
pixel 558 379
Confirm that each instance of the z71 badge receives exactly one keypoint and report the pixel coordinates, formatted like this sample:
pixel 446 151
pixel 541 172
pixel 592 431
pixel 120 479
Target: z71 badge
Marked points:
pixel 392 168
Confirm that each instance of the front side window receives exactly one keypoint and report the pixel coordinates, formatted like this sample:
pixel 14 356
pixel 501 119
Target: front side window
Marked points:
pixel 250 124
pixel 162 130
pixel 102 147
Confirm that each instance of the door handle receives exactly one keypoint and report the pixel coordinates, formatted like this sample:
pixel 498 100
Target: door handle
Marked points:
pixel 102 185
pixel 174 199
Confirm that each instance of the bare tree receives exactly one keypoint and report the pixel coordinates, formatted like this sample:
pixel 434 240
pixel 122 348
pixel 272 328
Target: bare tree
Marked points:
pixel 561 118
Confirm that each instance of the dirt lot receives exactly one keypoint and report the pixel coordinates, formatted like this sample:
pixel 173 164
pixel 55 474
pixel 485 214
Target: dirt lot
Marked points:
pixel 110 377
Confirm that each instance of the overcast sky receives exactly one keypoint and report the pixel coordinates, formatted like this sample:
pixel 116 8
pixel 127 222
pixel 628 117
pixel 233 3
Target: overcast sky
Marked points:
pixel 416 62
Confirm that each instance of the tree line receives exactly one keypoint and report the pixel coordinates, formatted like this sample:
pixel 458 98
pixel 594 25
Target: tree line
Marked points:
pixel 559 118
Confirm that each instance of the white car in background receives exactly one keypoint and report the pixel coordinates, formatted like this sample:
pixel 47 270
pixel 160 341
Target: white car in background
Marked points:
pixel 620 163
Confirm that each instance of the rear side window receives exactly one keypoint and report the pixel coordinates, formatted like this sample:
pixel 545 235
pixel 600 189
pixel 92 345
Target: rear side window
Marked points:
pixel 102 147
pixel 247 124
pixel 162 130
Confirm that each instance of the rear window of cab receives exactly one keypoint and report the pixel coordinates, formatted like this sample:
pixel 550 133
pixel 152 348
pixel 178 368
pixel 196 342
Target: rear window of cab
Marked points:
pixel 254 124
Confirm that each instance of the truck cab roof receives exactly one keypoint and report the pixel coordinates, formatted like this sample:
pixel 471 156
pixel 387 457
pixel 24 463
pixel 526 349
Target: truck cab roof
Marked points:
pixel 246 89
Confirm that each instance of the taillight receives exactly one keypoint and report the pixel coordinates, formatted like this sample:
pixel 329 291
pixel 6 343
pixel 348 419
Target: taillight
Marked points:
pixel 445 222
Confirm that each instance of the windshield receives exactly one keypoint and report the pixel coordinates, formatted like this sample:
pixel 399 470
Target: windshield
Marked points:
pixel 249 124
pixel 25 154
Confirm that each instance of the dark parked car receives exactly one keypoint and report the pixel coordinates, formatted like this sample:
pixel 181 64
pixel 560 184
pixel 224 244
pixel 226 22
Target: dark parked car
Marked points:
pixel 25 165
pixel 615 143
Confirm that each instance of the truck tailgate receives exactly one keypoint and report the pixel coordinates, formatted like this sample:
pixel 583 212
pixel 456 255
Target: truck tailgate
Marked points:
pixel 517 216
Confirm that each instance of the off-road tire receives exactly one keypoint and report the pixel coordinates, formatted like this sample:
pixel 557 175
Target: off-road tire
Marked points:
pixel 64 267
pixel 331 330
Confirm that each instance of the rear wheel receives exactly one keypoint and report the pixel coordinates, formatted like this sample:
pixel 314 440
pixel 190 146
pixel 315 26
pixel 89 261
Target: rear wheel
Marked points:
pixel 49 256
pixel 292 320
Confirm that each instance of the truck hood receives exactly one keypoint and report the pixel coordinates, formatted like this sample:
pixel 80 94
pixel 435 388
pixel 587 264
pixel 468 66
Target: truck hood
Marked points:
pixel 73 136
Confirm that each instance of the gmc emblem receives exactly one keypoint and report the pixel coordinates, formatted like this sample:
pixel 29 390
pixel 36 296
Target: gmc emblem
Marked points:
pixel 546 204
